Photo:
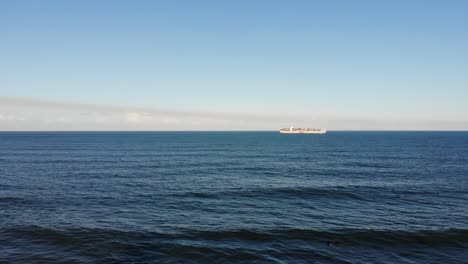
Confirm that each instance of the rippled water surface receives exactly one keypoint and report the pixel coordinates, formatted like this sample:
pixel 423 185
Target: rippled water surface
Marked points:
pixel 233 197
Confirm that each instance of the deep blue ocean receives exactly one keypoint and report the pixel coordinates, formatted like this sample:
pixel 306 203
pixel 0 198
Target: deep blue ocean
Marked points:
pixel 233 197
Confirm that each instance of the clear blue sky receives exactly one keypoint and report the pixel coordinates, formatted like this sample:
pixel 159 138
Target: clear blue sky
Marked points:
pixel 347 60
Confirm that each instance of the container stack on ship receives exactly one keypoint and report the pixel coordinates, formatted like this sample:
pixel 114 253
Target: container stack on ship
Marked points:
pixel 298 130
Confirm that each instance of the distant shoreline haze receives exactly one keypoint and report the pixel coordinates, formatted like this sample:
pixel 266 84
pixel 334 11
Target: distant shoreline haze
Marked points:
pixel 18 114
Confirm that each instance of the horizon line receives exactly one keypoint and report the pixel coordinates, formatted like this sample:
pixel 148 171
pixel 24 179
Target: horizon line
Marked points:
pixel 328 130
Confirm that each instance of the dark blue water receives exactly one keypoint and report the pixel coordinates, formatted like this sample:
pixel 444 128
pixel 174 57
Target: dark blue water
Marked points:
pixel 233 197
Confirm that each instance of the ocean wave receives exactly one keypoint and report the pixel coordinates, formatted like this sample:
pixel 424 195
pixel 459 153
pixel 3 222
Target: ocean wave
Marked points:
pixel 343 192
pixel 12 200
pixel 33 244
pixel 453 237
pixel 353 192
pixel 375 165
pixel 350 237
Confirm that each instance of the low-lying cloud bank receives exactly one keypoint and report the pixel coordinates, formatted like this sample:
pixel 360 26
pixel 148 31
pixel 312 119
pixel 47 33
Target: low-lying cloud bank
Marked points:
pixel 37 115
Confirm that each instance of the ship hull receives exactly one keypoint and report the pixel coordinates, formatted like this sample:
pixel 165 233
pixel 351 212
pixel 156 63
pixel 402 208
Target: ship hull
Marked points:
pixel 303 132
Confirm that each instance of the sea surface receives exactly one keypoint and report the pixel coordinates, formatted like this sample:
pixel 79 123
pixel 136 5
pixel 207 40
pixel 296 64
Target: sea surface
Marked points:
pixel 233 197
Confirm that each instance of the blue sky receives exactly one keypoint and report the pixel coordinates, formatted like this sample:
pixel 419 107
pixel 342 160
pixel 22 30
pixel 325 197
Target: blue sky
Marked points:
pixel 372 64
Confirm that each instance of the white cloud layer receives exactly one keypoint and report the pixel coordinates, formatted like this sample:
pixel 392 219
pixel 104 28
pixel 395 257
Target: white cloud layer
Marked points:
pixel 27 114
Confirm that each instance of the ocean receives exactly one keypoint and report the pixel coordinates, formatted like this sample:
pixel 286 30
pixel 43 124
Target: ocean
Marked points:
pixel 233 197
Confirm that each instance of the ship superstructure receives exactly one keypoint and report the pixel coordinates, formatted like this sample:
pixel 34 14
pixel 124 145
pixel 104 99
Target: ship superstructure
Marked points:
pixel 298 130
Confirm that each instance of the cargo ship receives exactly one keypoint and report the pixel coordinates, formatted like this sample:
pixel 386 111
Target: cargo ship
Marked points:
pixel 298 130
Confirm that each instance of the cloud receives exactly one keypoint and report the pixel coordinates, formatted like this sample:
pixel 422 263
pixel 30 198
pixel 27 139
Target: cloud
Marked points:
pixel 29 114
pixel 138 117
pixel 9 117
pixel 133 117
pixel 49 115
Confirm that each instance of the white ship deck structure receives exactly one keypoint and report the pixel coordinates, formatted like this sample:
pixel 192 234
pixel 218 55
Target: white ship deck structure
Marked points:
pixel 298 130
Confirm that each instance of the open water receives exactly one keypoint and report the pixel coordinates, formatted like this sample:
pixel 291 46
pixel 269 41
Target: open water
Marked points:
pixel 233 197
